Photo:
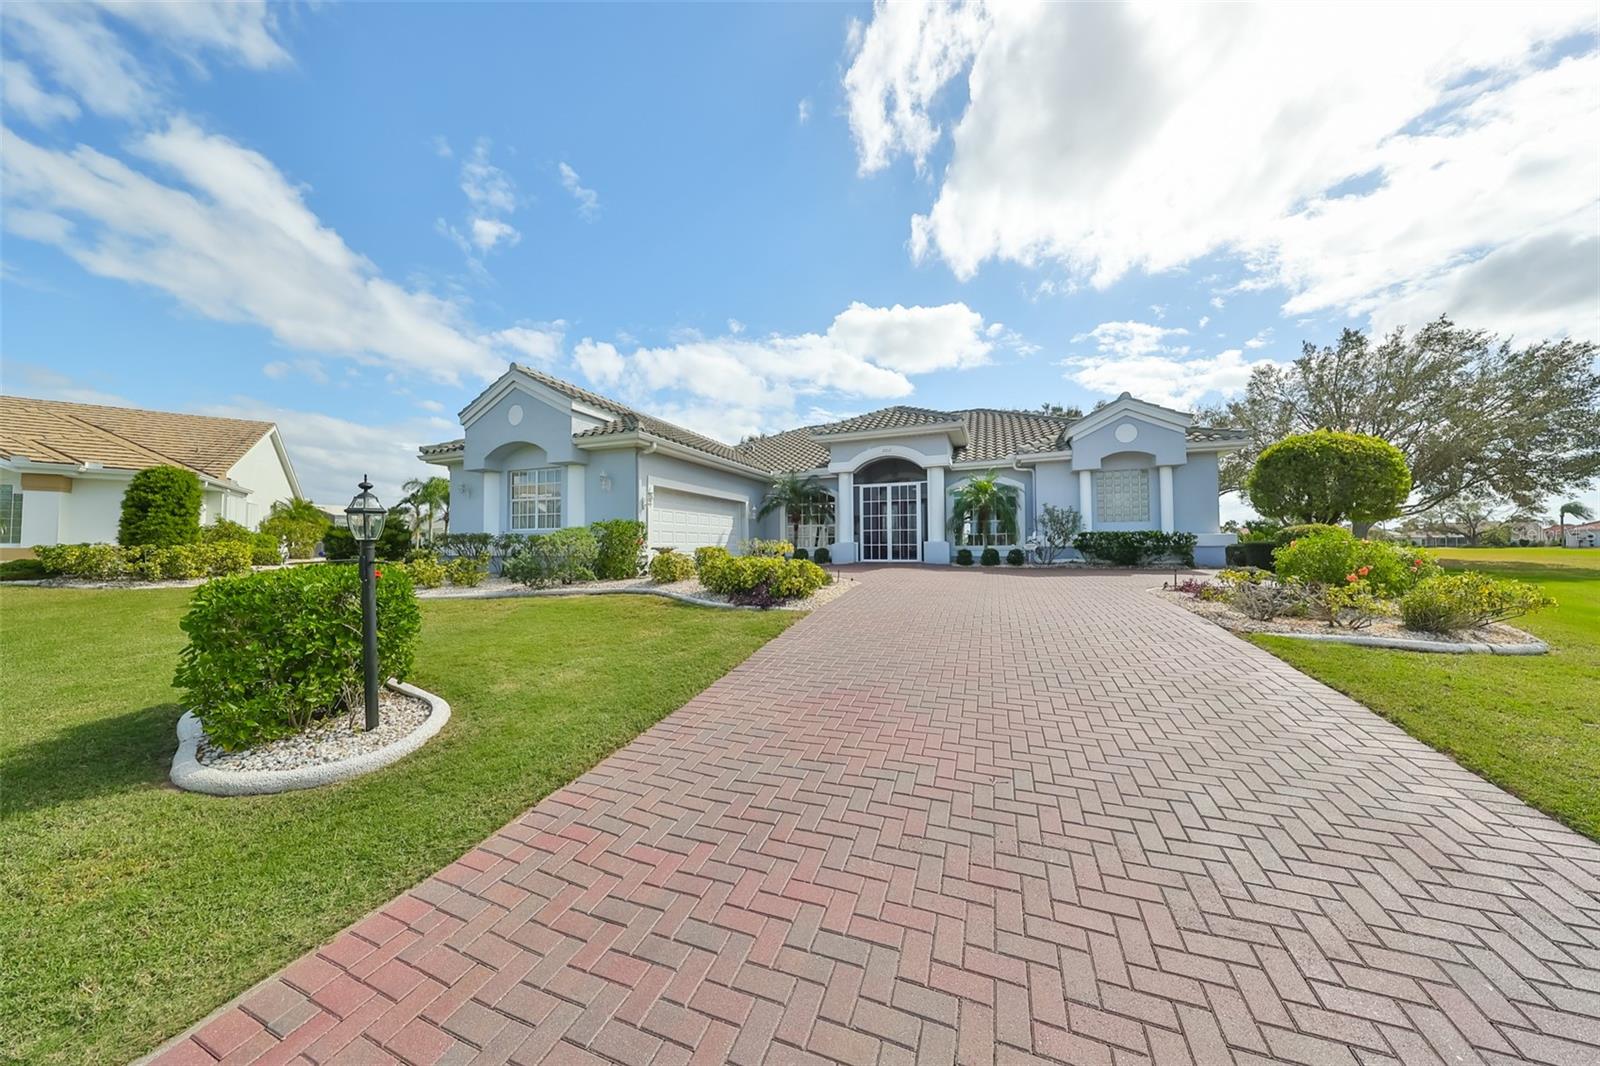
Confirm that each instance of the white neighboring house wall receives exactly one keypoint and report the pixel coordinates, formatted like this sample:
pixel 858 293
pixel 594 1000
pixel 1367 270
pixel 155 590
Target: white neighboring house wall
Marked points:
pixel 265 476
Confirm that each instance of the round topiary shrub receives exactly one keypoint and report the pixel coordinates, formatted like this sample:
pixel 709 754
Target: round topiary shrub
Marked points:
pixel 161 507
pixel 1015 557
pixel 670 566
pixel 964 557
pixel 990 557
pixel 801 553
pixel 272 651
pixel 822 557
pixel 1329 476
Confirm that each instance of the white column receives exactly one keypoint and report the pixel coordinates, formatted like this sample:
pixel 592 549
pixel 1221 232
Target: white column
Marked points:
pixel 573 512
pixel 936 539
pixel 1168 520
pixel 844 514
pixel 1086 498
pixel 494 490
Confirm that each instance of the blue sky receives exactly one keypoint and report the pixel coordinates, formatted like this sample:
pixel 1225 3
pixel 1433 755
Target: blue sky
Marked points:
pixel 346 217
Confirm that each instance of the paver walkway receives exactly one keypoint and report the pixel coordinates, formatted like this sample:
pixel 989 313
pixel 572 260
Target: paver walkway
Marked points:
pixel 981 816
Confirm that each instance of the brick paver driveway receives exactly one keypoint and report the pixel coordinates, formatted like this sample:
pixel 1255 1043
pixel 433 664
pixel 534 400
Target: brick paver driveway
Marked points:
pixel 982 816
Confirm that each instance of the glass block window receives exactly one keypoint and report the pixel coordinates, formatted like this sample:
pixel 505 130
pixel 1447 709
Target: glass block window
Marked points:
pixel 1121 496
pixel 536 498
pixel 10 515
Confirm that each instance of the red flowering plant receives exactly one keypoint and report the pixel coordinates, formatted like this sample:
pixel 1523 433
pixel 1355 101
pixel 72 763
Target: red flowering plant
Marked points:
pixel 1335 557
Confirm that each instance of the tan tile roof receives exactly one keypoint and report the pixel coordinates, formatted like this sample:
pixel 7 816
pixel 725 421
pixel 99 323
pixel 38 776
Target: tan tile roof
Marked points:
pixel 123 438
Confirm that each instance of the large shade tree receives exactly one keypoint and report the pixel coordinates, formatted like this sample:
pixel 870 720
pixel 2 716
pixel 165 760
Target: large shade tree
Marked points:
pixel 1469 411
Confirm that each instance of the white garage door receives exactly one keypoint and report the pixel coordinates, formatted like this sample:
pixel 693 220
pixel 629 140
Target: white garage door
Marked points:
pixel 686 521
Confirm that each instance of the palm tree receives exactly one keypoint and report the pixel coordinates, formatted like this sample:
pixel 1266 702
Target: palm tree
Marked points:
pixel 1577 510
pixel 432 493
pixel 984 501
pixel 796 495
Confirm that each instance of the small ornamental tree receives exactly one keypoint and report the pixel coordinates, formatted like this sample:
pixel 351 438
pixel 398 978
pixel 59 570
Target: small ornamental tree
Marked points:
pixel 161 507
pixel 301 524
pixel 1330 477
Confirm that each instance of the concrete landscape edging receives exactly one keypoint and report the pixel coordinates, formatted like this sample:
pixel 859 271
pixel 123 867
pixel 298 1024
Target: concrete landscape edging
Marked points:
pixel 188 773
pixel 1536 647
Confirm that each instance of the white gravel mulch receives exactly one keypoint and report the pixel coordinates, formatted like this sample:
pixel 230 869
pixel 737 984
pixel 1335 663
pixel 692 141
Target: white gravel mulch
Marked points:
pixel 327 741
pixel 1223 614
pixel 692 590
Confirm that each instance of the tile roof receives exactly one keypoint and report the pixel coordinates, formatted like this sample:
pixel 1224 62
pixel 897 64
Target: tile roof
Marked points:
pixel 992 434
pixel 123 438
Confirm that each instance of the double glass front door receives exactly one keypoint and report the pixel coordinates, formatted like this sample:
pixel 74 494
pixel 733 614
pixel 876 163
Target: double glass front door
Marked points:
pixel 891 518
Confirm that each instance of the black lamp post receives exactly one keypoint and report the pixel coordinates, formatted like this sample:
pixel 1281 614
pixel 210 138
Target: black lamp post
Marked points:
pixel 365 515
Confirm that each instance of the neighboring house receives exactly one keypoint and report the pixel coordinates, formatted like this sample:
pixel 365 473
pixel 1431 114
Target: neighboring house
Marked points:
pixel 540 454
pixel 1584 536
pixel 1528 530
pixel 64 466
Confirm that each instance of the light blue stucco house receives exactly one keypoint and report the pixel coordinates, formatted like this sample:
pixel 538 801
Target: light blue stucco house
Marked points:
pixel 539 454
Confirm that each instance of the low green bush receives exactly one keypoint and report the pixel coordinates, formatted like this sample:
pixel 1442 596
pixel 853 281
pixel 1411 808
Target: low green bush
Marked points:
pixel 669 566
pixel 467 571
pixel 263 546
pixel 111 562
pixel 776 549
pixel 1136 547
pixel 559 557
pixel 1332 556
pixel 762 580
pixel 22 570
pixel 964 557
pixel 1016 557
pixel 271 652
pixel 708 557
pixel 822 556
pixel 426 572
pixel 1448 602
pixel 619 545
pixel 990 557
pixel 1288 534
pixel 801 553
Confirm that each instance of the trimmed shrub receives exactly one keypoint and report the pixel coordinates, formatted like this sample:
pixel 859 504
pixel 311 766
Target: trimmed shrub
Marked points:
pixel 822 556
pixel 161 506
pixel 1015 557
pixel 1136 547
pixel 1447 602
pixel 1288 534
pixel 467 571
pixel 559 557
pixel 1332 556
pixel 22 570
pixel 1255 553
pixel 426 572
pixel 762 580
pixel 990 557
pixel 178 562
pixel 339 545
pixel 263 546
pixel 301 524
pixel 776 549
pixel 271 652
pixel 619 544
pixel 800 553
pixel 1329 476
pixel 706 557
pixel 964 557
pixel 670 566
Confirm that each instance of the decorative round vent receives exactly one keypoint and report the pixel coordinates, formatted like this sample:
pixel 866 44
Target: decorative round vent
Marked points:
pixel 514 415
pixel 1127 433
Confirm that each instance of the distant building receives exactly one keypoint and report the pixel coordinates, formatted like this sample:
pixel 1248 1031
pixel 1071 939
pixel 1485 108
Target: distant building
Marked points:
pixel 64 467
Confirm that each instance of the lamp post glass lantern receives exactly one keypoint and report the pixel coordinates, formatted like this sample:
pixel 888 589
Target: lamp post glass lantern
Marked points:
pixel 365 517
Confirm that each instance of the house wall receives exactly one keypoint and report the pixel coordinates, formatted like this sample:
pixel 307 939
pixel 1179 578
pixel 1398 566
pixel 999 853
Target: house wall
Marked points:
pixel 1020 480
pixel 928 449
pixel 1165 445
pixel 541 424
pixel 623 499
pixel 1195 504
pixel 88 514
pixel 671 468
pixel 262 472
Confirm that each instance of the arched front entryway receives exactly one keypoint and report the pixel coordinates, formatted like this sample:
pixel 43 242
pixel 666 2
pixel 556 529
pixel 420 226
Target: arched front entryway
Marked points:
pixel 891 512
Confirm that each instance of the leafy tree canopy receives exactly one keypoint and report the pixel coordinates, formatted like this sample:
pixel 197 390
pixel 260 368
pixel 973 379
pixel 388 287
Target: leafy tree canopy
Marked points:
pixel 1469 411
pixel 1329 477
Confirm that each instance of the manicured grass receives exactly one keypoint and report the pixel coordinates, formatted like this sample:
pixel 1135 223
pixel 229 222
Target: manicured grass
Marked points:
pixel 132 909
pixel 1531 725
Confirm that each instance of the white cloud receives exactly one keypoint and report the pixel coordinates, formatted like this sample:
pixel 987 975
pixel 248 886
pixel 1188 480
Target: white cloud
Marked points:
pixel 737 384
pixel 1260 340
pixel 488 232
pixel 1205 320
pixel 1398 154
pixel 232 239
pixel 735 326
pixel 588 200
pixel 75 46
pixel 24 96
pixel 540 344
pixel 431 405
pixel 330 454
pixel 803 112
pixel 279 369
pixel 1138 357
pixel 491 197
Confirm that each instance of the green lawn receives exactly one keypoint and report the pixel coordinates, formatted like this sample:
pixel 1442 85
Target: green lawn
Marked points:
pixel 1531 725
pixel 131 909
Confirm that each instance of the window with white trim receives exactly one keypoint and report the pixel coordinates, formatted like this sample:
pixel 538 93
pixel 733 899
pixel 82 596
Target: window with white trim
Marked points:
pixel 1121 496
pixel 536 498
pixel 816 525
pixel 10 515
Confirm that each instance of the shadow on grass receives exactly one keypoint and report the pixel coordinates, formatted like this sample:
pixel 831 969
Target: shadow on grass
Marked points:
pixel 93 758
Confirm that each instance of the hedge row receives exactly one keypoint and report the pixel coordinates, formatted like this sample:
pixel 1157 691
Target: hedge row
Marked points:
pixel 1136 547
pixel 757 580
pixel 111 562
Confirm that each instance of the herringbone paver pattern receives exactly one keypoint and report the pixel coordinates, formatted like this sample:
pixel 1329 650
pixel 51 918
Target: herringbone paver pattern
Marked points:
pixel 981 817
